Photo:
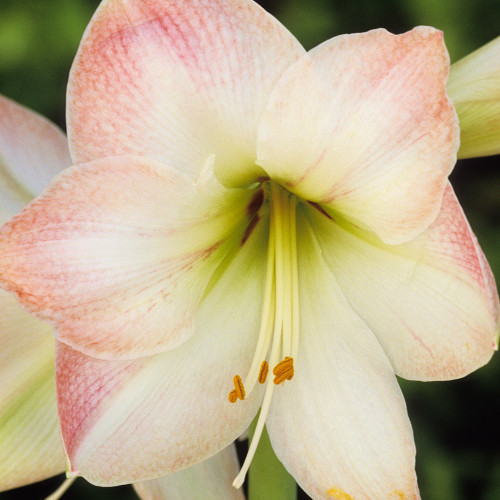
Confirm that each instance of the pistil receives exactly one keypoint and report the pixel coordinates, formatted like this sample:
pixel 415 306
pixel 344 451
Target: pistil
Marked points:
pixel 279 329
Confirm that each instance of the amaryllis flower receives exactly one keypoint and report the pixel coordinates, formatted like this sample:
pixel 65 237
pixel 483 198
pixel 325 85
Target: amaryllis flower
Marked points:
pixel 251 226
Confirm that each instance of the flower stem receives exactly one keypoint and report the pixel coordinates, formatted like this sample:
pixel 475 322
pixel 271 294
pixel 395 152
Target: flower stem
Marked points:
pixel 267 478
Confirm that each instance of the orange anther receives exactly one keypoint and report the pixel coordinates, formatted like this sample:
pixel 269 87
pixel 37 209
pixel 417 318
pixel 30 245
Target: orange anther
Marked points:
pixel 239 387
pixel 283 370
pixel 284 365
pixel 264 369
pixel 232 396
pixel 288 375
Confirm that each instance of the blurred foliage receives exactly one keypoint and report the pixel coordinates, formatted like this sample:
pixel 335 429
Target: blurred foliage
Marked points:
pixel 455 423
pixel 38 40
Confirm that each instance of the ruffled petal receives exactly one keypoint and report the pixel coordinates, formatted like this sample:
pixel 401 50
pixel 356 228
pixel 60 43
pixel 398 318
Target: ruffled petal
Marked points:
pixel 474 88
pixel 32 151
pixel 431 302
pixel 30 443
pixel 117 253
pixel 127 421
pixel 340 425
pixel 363 125
pixel 208 480
pixel 176 81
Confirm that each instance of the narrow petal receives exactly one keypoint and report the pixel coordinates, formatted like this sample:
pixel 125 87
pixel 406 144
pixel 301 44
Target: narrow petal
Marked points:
pixel 340 425
pixel 116 254
pixel 30 443
pixel 127 421
pixel 474 88
pixel 208 480
pixel 32 151
pixel 431 302
pixel 176 81
pixel 363 125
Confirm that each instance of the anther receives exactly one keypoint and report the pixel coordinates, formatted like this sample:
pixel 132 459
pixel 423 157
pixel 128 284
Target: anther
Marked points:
pixel 283 365
pixel 283 370
pixel 232 396
pixel 264 369
pixel 239 388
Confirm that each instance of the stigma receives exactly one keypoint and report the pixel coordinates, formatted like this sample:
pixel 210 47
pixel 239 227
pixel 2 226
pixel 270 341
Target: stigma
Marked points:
pixel 278 337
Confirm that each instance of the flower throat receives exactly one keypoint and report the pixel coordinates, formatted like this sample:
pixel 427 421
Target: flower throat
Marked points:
pixel 278 338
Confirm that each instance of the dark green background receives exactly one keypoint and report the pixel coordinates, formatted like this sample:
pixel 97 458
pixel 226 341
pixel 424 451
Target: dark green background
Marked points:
pixel 455 423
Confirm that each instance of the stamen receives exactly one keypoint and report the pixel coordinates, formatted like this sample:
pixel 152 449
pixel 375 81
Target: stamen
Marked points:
pixel 295 279
pixel 267 322
pixel 278 334
pixel 277 216
pixel 259 427
pixel 239 388
pixel 287 203
pixel 264 369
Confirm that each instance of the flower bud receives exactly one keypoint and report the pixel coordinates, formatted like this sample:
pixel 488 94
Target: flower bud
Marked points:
pixel 474 87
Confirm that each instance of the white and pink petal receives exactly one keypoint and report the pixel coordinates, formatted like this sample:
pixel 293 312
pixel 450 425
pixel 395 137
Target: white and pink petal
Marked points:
pixel 176 81
pixel 140 419
pixel 340 426
pixel 363 125
pixel 432 302
pixel 117 253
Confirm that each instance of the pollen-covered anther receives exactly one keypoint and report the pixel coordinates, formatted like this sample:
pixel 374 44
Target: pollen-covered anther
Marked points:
pixel 232 396
pixel 283 370
pixel 264 370
pixel 239 388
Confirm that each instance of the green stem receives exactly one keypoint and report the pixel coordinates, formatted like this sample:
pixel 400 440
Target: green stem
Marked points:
pixel 267 478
